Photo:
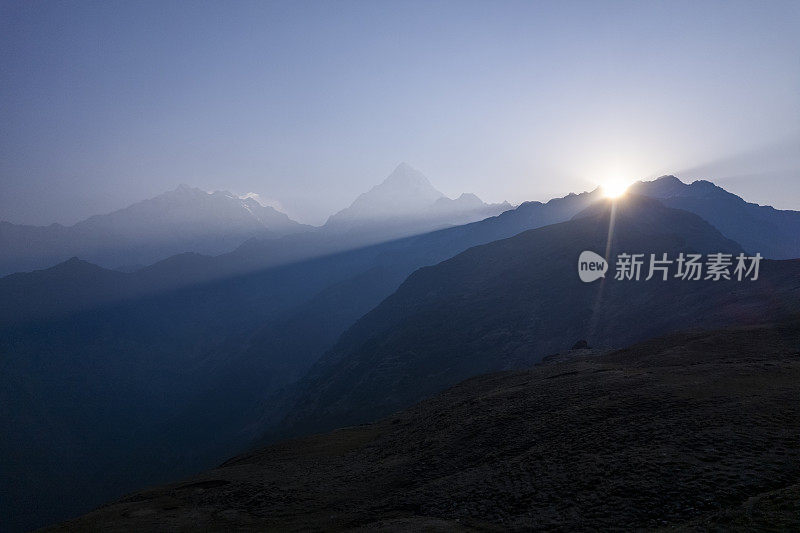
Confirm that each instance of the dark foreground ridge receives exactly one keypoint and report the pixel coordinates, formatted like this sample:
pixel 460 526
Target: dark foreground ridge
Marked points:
pixel 695 431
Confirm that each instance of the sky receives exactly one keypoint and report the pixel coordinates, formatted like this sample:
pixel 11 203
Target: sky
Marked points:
pixel 308 104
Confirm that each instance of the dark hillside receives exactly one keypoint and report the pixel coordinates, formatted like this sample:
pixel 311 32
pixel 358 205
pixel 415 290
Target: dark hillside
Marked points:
pixel 692 431
pixel 510 303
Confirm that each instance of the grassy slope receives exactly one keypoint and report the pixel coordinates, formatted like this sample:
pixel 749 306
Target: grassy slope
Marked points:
pixel 689 431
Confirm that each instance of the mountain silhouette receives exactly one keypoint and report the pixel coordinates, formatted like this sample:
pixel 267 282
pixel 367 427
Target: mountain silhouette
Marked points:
pixel 509 303
pixel 203 342
pixel 760 229
pixel 32 292
pixel 204 355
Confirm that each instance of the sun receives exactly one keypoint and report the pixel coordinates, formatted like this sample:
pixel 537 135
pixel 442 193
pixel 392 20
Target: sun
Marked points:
pixel 614 188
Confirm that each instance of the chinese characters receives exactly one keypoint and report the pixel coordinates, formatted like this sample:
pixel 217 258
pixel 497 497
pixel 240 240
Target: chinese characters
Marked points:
pixel 713 267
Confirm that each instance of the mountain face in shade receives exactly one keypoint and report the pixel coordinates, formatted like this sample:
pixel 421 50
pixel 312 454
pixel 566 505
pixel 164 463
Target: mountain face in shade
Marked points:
pixel 692 432
pixel 67 287
pixel 200 360
pixel 771 232
pixel 29 295
pixel 31 292
pixel 509 303
pixel 184 220
pixel 138 374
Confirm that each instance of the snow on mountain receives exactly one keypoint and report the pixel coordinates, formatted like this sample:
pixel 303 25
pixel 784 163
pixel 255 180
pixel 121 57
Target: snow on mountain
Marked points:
pixel 407 194
pixel 186 219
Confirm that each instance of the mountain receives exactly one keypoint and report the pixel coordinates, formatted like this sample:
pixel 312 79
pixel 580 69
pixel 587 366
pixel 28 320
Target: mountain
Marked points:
pixel 96 397
pixel 771 232
pixel 511 302
pixel 183 220
pixel 406 203
pixel 267 248
pixel 405 192
pixel 148 382
pixel 179 364
pixel 67 287
pixel 281 350
pixel 466 208
pixel 315 325
pixel 691 432
pixel 29 295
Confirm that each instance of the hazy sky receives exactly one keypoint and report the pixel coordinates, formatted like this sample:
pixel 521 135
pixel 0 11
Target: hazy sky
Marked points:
pixel 310 103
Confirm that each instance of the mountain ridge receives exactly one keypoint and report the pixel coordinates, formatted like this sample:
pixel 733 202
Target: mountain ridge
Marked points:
pixel 226 340
pixel 522 297
pixel 183 219
pixel 408 193
pixel 188 219
pixel 773 233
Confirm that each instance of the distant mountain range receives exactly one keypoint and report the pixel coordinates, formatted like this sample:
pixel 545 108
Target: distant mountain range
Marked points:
pixel 80 285
pixel 183 220
pixel 404 204
pixel 205 355
pixel 189 220
pixel 136 378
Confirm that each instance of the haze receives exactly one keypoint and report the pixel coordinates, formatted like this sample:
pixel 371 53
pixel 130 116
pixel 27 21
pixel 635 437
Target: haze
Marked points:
pixel 310 104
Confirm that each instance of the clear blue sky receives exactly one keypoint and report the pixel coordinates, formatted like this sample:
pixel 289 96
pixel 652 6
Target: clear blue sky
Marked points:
pixel 310 103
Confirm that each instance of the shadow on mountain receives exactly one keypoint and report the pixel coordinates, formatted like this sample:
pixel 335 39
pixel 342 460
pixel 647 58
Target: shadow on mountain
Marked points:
pixel 509 303
pixel 694 431
pixel 115 381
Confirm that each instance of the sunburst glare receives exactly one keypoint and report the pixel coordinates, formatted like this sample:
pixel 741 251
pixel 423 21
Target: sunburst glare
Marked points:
pixel 614 188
